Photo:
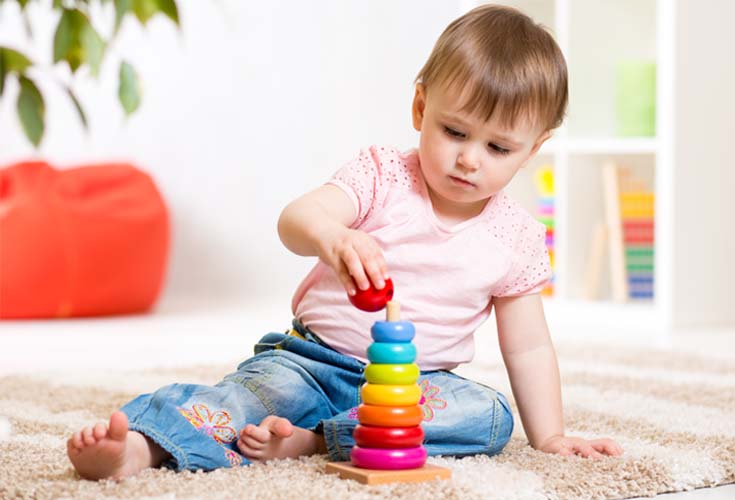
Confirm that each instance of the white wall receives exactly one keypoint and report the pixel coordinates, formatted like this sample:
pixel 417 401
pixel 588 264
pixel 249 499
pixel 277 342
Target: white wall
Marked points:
pixel 704 244
pixel 250 105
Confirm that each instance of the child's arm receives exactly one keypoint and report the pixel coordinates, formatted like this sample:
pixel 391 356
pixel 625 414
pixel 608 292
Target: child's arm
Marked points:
pixel 318 224
pixel 534 377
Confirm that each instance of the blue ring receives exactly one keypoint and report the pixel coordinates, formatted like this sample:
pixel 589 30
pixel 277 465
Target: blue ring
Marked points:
pixel 392 331
pixel 391 353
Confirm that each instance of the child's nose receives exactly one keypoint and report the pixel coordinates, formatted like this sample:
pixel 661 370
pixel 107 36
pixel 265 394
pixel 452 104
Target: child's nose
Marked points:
pixel 469 158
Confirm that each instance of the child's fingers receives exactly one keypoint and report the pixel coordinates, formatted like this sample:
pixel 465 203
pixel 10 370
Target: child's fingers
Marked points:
pixel 355 268
pixel 586 450
pixel 375 273
pixel 344 277
pixel 606 446
pixel 373 262
pixel 565 451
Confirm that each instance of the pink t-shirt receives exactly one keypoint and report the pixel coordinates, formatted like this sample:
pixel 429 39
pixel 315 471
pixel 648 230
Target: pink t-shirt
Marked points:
pixel 445 276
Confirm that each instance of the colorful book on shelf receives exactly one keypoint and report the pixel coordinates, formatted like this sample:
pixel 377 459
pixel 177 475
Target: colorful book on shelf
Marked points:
pixel 544 180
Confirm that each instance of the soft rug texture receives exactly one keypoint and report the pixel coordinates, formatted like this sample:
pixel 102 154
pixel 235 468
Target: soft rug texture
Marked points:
pixel 674 414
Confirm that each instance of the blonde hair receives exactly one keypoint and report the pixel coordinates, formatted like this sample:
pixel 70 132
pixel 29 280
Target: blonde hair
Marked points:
pixel 502 62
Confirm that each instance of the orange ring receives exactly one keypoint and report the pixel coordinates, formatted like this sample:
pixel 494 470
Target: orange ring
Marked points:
pixel 390 416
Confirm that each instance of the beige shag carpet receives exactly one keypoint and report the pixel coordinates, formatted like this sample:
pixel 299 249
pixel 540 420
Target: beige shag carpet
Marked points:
pixel 674 414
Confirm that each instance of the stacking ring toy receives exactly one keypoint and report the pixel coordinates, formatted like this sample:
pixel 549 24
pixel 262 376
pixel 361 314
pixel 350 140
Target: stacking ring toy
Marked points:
pixel 391 395
pixel 372 299
pixel 377 458
pixel 368 436
pixel 390 416
pixel 391 352
pixel 393 331
pixel 392 374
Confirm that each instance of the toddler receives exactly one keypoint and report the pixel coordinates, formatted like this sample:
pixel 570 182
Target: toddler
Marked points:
pixel 455 245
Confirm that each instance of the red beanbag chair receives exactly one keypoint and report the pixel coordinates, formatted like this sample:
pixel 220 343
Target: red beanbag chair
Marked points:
pixel 82 242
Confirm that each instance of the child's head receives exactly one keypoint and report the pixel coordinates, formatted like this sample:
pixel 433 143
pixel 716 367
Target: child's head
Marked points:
pixel 489 95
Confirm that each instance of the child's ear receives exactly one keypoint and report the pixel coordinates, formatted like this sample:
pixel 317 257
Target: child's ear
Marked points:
pixel 419 104
pixel 537 145
pixel 541 139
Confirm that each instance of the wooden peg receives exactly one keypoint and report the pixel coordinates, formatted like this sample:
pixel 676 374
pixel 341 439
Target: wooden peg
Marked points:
pixel 393 311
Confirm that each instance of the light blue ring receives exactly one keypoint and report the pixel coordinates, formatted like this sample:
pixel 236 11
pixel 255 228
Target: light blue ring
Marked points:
pixel 391 353
pixel 393 331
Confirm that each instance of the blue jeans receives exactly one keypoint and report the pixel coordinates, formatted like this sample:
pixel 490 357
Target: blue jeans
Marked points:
pixel 300 378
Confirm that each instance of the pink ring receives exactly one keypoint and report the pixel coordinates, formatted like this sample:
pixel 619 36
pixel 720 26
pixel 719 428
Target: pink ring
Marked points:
pixel 388 459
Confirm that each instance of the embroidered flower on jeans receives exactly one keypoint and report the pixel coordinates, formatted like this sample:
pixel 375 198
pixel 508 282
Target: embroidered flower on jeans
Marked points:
pixel 212 424
pixel 429 400
pixel 352 415
pixel 232 457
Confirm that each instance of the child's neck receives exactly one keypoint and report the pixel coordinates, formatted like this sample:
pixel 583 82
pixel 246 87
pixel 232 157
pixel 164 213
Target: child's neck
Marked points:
pixel 451 213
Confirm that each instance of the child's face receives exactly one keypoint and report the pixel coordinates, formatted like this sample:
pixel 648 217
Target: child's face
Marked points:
pixel 466 160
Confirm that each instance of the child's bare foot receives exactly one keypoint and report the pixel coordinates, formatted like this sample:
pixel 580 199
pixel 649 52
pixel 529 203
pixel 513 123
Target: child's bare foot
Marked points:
pixel 112 452
pixel 276 437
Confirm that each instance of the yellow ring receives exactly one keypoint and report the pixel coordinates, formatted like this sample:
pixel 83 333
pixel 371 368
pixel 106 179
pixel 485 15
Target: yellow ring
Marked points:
pixel 402 374
pixel 391 395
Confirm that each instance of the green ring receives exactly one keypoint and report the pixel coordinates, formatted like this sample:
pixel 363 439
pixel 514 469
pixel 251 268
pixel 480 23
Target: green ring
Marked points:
pixel 402 374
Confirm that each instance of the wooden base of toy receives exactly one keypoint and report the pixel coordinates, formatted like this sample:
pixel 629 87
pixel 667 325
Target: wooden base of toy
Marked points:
pixel 375 476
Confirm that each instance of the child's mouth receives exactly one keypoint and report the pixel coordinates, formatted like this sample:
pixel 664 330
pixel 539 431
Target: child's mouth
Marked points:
pixel 461 182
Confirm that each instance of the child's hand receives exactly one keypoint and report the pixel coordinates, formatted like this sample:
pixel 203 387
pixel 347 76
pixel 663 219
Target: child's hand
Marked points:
pixel 594 448
pixel 354 254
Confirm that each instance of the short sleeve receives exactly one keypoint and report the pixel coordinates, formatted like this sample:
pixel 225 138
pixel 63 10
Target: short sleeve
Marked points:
pixel 366 179
pixel 531 268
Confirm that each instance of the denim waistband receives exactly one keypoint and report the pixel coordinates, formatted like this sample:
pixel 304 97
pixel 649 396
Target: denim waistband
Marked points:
pixel 302 331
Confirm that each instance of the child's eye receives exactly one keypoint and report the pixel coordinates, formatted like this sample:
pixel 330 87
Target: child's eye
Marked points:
pixel 453 133
pixel 498 149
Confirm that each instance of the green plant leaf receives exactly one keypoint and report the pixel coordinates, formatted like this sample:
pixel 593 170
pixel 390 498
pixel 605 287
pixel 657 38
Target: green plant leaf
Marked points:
pixel 169 9
pixel 67 39
pixel 14 61
pixel 77 42
pixel 11 61
pixel 145 9
pixel 94 48
pixel 122 7
pixel 129 90
pixel 31 110
pixel 78 106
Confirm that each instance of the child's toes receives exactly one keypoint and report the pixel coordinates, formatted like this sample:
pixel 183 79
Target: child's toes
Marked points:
pixel 257 433
pixel 76 440
pixel 252 443
pixel 282 428
pixel 250 447
pixel 88 437
pixel 99 431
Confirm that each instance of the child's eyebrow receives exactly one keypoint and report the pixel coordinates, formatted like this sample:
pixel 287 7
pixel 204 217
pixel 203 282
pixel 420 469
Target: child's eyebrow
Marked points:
pixel 497 136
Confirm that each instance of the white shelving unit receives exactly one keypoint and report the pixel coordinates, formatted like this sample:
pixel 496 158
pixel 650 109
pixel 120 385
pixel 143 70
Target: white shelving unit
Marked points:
pixel 594 35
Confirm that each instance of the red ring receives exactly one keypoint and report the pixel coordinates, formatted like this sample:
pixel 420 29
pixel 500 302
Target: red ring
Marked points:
pixel 369 436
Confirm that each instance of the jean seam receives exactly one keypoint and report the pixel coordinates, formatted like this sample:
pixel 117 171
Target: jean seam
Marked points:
pixel 331 439
pixel 496 424
pixel 256 389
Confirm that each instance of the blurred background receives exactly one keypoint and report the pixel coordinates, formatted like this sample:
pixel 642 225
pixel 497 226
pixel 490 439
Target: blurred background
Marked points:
pixel 250 104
